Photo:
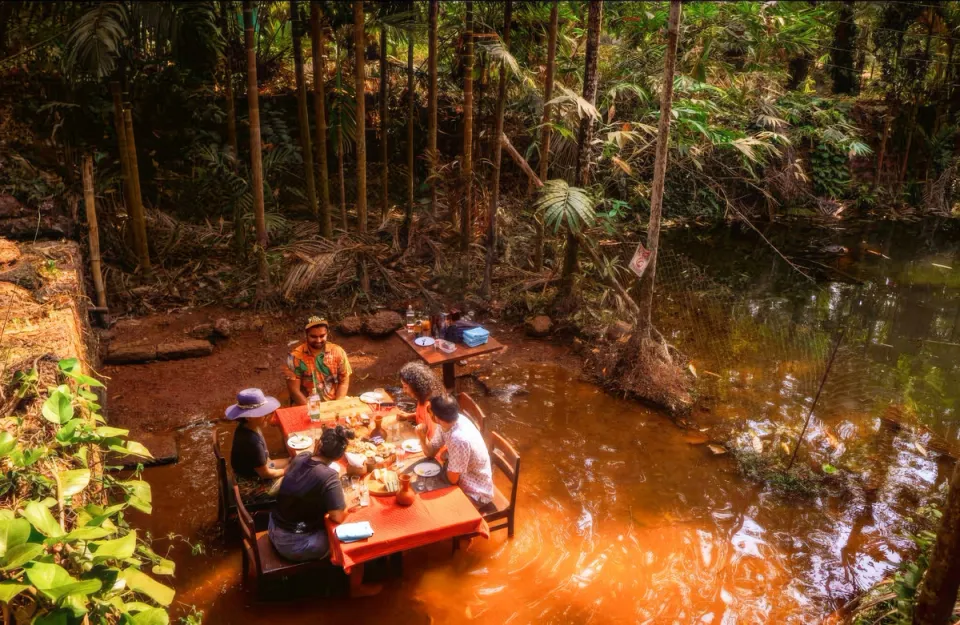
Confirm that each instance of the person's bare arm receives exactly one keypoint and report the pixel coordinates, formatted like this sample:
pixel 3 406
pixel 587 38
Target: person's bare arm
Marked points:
pixel 296 395
pixel 428 449
pixel 267 472
pixel 344 386
pixel 338 516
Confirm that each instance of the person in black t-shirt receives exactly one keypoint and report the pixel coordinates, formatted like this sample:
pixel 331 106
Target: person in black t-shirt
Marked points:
pixel 310 491
pixel 256 473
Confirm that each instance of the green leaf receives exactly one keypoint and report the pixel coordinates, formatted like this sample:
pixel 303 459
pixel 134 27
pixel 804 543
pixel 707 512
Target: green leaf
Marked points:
pixel 41 518
pixel 73 482
pixel 58 617
pixel 21 554
pixel 67 431
pixel 13 532
pixel 164 567
pixel 153 616
pixel 86 533
pixel 59 406
pixel 9 590
pixel 109 432
pixel 23 458
pixel 562 204
pixel 46 576
pixel 829 469
pixel 7 443
pixel 83 588
pixel 143 583
pixel 85 379
pixel 132 448
pixel 139 495
pixel 69 365
pixel 118 548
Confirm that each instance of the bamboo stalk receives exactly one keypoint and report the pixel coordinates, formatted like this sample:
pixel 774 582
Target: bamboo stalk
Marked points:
pixel 137 215
pixel 94 231
pixel 519 160
pixel 432 155
pixel 320 113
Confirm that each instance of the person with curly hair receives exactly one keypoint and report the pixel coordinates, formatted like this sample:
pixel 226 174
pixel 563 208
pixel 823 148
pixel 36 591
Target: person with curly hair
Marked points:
pixel 309 492
pixel 420 383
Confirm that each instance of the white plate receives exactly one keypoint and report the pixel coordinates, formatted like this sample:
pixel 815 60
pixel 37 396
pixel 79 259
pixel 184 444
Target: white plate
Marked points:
pixel 370 397
pixel 427 469
pixel 424 341
pixel 411 446
pixel 299 442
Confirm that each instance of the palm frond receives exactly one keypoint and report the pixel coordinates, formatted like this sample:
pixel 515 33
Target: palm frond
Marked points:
pixel 94 44
pixel 562 204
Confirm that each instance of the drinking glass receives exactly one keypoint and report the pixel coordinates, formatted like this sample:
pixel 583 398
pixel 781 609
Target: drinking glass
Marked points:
pixel 401 452
pixel 355 485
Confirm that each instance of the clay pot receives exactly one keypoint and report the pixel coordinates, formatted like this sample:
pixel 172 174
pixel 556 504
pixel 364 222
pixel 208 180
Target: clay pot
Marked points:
pixel 406 494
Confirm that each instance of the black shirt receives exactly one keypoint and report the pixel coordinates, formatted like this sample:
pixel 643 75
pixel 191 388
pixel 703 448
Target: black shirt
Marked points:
pixel 249 451
pixel 309 490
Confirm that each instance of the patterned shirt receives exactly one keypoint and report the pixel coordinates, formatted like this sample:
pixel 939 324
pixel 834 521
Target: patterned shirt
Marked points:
pixel 328 368
pixel 467 455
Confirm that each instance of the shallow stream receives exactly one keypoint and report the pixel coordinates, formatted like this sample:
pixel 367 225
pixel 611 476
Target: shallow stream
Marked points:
pixel 626 518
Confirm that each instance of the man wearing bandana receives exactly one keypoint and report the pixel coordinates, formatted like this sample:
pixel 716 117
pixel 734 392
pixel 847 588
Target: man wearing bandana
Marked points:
pixel 317 363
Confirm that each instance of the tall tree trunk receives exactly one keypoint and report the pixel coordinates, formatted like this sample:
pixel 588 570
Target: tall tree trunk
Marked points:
pixel 545 129
pixel 384 126
pixel 303 116
pixel 360 90
pixel 411 111
pixel 432 155
pixel 231 108
pixel 497 154
pixel 938 592
pixel 320 113
pixel 912 123
pixel 126 180
pixel 137 217
pixel 882 152
pixel 843 65
pixel 361 114
pixel 340 177
pixel 644 323
pixel 584 142
pixel 93 233
pixel 256 157
pixel 466 215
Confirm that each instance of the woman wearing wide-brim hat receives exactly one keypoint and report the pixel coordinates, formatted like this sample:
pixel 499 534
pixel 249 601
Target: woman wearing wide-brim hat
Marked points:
pixel 258 477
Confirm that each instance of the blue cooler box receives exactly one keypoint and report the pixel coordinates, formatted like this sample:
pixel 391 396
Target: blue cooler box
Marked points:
pixel 475 336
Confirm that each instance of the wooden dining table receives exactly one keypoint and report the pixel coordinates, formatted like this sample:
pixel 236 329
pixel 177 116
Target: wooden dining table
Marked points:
pixel 433 357
pixel 434 516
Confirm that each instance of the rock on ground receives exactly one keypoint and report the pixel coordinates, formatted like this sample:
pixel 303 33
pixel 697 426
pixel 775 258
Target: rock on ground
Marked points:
pixel 130 354
pixel 188 348
pixel 382 324
pixel 538 326
pixel 350 326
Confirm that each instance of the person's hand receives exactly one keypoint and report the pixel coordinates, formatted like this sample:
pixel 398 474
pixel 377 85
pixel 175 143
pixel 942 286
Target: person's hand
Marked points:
pixel 422 431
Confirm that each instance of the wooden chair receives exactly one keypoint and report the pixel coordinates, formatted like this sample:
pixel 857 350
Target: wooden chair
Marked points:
pixel 257 548
pixel 226 500
pixel 472 410
pixel 504 457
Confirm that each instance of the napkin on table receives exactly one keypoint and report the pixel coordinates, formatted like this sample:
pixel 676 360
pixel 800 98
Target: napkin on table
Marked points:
pixel 351 532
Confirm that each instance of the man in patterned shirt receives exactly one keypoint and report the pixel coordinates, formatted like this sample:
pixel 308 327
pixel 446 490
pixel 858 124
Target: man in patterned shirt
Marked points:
pixel 468 461
pixel 319 363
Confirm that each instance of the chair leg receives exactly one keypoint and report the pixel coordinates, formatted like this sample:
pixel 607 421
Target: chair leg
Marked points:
pixel 456 545
pixel 245 580
pixel 510 525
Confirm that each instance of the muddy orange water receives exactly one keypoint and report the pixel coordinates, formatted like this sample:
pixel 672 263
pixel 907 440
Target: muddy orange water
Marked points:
pixel 622 516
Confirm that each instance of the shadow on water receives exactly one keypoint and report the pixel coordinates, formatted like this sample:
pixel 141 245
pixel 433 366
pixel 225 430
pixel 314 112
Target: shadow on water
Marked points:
pixel 623 518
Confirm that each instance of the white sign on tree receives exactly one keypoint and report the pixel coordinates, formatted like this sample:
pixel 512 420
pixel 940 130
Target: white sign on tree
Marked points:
pixel 640 260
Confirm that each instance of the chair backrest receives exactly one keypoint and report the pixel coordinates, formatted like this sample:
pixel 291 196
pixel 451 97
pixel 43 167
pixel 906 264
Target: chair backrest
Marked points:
pixel 248 530
pixel 472 410
pixel 506 458
pixel 222 476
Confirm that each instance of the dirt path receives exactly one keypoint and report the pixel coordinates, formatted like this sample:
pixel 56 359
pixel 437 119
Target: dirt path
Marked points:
pixel 162 397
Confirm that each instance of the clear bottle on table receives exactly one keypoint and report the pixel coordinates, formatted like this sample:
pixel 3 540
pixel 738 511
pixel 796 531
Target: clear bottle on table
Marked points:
pixel 410 319
pixel 313 407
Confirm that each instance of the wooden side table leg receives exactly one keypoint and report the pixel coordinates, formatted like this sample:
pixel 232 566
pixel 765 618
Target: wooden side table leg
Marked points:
pixel 449 376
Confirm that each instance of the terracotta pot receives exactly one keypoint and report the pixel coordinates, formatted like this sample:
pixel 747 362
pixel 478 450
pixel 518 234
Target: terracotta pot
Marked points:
pixel 406 494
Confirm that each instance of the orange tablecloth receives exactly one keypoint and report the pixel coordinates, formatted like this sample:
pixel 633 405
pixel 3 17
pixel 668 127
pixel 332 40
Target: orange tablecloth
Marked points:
pixel 433 517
